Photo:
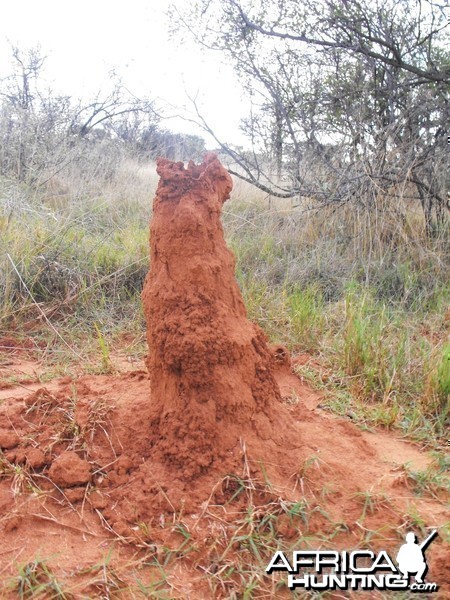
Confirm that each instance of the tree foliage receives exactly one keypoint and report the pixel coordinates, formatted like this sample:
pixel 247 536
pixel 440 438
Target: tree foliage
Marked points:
pixel 43 133
pixel 350 100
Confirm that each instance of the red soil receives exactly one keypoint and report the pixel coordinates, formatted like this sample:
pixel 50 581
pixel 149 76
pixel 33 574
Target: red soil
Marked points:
pixel 91 461
pixel 332 467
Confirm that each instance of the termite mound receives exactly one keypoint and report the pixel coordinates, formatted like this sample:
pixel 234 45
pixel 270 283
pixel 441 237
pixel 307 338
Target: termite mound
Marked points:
pixel 211 370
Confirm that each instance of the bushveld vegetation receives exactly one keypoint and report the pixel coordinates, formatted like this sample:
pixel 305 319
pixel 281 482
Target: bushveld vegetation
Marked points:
pixel 363 299
pixel 359 286
pixel 363 288
pixel 347 101
pixel 363 294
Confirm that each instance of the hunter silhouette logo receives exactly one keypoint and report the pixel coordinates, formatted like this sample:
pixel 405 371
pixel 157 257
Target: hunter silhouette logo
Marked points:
pixel 359 569
pixel 411 556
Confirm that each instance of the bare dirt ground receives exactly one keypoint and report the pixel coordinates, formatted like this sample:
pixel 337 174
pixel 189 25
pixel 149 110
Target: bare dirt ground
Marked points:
pixel 353 483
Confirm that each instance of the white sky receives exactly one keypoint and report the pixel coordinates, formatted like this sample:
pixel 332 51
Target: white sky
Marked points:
pixel 84 40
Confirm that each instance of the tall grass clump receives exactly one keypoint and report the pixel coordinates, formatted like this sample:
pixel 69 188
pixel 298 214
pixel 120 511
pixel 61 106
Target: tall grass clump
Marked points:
pixel 80 258
pixel 436 398
pixel 368 297
pixel 306 309
pixel 373 345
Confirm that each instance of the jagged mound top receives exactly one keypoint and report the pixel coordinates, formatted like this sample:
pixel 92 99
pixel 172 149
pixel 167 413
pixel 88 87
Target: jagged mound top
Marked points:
pixel 176 180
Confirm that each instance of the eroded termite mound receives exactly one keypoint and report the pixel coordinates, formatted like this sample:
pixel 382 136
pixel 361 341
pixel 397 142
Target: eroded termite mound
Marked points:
pixel 211 371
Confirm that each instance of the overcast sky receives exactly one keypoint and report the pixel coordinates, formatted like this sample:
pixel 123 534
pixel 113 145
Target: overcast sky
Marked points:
pixel 84 40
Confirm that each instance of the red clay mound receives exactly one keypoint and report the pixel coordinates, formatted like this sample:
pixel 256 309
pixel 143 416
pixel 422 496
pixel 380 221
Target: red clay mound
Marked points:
pixel 210 368
pixel 213 402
